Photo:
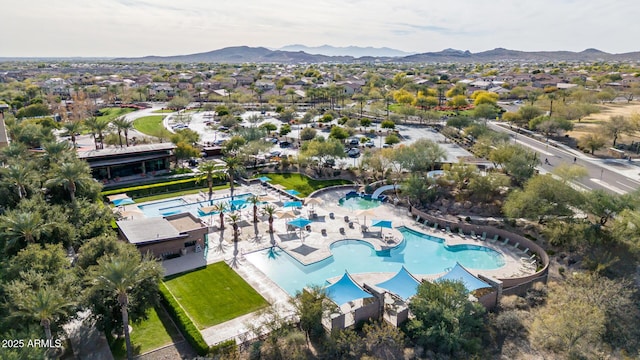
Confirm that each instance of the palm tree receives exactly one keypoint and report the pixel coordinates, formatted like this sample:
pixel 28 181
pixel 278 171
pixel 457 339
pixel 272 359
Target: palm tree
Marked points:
pixel 22 228
pixel 234 219
pixel 71 129
pixel 270 210
pixel 119 275
pixel 209 170
pixel 234 164
pixel 20 176
pixel 220 208
pixel 45 305
pixel 69 175
pixel 97 127
pixel 54 152
pixel 15 151
pixel 120 123
pixel 254 200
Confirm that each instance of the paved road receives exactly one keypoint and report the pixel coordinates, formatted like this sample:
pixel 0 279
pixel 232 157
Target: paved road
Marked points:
pixel 614 176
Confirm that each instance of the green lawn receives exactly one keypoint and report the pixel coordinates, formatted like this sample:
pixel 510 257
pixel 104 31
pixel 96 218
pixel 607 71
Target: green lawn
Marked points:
pixel 302 183
pixel 151 125
pixel 156 331
pixel 214 295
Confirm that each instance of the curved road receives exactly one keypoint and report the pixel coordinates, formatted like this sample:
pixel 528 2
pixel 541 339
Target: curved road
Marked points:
pixel 612 175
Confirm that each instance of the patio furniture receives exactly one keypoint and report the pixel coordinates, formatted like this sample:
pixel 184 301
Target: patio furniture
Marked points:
pixel 495 238
pixel 506 241
pixel 308 228
pixel 449 230
pixel 461 233
pixel 435 227
pixel 342 231
pixel 332 216
pixel 351 225
pixel 346 218
pixel 484 236
pixel 364 228
pixel 323 232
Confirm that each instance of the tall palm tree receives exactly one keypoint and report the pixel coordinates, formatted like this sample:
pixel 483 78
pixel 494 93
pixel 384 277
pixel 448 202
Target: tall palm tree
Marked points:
pixel 270 210
pixel 210 170
pixel 254 200
pixel 119 275
pixel 234 164
pixel 71 129
pixel 220 208
pixel 122 125
pixel 70 175
pixel 22 228
pixel 15 151
pixel 97 127
pixel 20 176
pixel 45 304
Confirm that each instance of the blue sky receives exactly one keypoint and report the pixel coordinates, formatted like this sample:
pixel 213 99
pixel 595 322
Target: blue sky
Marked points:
pixel 162 27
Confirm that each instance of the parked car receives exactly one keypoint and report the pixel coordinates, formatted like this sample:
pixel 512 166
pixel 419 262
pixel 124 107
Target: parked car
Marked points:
pixel 275 153
pixel 369 144
pixel 272 140
pixel 330 163
pixel 354 152
pixel 387 146
pixel 284 144
pixel 354 142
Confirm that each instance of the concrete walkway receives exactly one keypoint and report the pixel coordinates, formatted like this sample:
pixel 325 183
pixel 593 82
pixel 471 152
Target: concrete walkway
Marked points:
pixel 88 343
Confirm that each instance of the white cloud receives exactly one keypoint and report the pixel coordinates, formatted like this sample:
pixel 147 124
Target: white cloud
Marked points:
pixel 162 27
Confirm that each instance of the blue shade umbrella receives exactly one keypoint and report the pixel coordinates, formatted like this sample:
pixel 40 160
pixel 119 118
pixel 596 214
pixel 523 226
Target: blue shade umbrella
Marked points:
pixel 293 192
pixel 264 179
pixel 381 224
pixel 292 204
pixel 299 222
pixel 122 202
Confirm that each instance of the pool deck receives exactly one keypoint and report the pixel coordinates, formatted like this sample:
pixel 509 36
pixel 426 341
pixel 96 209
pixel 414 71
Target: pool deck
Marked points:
pixel 313 246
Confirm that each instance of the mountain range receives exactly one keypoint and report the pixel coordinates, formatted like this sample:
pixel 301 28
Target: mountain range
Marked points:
pixel 355 51
pixel 246 54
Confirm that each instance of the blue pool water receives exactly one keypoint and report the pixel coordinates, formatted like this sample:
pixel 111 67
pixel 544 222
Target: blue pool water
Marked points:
pixel 421 254
pixel 358 203
pixel 177 206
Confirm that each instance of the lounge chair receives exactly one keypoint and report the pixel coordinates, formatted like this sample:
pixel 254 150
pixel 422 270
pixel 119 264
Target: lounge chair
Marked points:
pixel 448 230
pixel 495 238
pixel 342 231
pixel 506 241
pixel 418 219
pixel 528 258
pixel 435 227
pixel 308 227
pixel 351 225
pixel 323 232
pixel 346 218
pixel 461 232
pixel 484 236
pixel 516 245
pixel 332 216
pixel 472 234
pixel 526 251
pixel 364 228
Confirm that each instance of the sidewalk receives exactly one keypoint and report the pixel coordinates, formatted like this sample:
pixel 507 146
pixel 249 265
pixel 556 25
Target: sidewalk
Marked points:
pixel 87 342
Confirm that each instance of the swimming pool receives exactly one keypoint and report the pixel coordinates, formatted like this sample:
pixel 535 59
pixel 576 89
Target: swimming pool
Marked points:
pixel 178 206
pixel 358 203
pixel 421 254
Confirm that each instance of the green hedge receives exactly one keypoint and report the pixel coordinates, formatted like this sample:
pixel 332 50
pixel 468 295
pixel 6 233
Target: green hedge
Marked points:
pixel 226 349
pixel 159 188
pixel 184 323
